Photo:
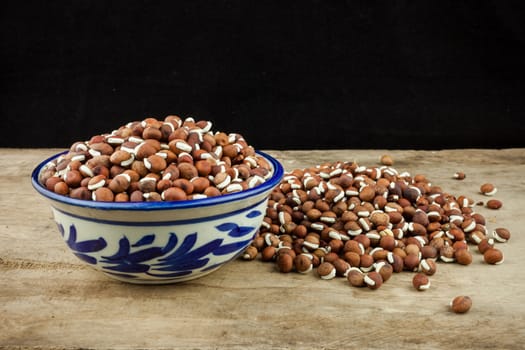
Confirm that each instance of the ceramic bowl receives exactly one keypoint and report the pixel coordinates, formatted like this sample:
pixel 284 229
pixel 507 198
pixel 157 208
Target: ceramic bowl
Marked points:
pixel 160 242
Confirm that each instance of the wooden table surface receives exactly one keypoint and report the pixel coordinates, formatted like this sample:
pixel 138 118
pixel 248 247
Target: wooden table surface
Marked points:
pixel 49 299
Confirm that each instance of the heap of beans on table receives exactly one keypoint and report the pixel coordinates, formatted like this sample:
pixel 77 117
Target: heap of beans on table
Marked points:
pixel 366 223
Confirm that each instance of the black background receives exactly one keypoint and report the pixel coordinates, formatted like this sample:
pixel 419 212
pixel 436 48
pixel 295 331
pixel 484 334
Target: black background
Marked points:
pixel 285 74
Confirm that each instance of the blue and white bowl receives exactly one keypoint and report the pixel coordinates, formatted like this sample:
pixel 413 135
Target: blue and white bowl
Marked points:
pixel 160 242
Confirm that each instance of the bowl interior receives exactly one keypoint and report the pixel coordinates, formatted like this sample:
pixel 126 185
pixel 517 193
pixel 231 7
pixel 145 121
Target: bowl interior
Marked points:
pixel 268 185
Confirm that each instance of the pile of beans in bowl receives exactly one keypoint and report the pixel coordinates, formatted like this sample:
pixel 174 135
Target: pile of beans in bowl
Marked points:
pixel 157 160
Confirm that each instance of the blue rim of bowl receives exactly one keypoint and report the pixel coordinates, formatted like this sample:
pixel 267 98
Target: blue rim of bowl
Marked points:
pixel 267 186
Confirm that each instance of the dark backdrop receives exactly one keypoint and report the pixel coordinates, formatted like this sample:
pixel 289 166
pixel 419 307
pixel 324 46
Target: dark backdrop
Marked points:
pixel 285 74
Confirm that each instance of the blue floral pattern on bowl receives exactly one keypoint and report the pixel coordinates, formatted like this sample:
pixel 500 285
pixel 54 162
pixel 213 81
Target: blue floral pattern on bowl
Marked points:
pixel 142 257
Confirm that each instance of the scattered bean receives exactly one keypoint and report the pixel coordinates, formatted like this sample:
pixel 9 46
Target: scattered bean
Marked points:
pixel 461 304
pixel 488 189
pixel 387 160
pixel 459 175
pixel 421 282
pixel 494 204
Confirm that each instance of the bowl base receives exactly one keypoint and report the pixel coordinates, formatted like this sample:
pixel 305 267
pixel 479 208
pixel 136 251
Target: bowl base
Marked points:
pixel 159 281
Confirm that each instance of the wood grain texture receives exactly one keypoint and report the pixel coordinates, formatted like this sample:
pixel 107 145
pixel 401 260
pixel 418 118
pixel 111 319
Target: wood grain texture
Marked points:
pixel 50 300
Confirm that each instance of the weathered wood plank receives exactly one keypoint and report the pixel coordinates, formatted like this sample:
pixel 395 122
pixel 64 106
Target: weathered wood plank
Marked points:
pixel 48 299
